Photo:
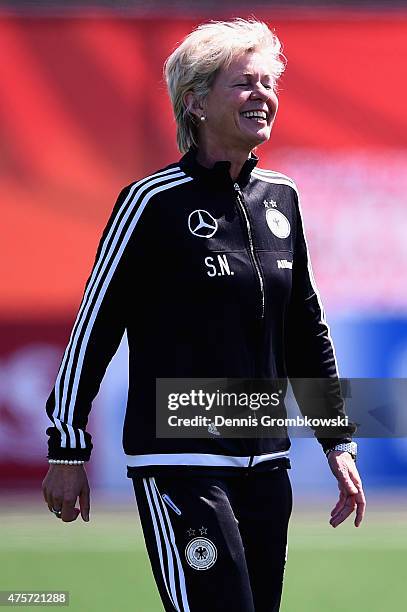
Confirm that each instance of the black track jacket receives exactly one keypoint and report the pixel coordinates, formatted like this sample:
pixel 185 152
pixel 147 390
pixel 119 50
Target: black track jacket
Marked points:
pixel 210 278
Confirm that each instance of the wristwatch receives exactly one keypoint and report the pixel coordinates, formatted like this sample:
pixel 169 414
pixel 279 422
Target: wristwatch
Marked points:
pixel 349 447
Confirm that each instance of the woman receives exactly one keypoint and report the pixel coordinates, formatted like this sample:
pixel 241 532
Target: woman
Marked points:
pixel 205 264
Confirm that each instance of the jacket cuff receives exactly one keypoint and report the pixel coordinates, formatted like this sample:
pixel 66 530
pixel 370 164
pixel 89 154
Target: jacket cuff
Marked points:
pixel 55 451
pixel 82 454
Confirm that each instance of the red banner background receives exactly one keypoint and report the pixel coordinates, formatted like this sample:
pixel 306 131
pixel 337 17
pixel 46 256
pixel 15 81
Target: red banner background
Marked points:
pixel 84 111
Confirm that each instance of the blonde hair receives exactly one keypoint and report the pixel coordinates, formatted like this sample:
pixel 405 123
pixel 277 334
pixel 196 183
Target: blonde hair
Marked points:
pixel 195 62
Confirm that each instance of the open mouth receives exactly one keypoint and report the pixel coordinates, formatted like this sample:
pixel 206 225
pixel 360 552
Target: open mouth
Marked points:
pixel 258 115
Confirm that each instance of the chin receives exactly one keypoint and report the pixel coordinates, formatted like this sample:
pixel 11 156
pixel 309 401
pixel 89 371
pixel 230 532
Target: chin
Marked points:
pixel 254 140
pixel 264 134
pixel 259 141
pixel 260 137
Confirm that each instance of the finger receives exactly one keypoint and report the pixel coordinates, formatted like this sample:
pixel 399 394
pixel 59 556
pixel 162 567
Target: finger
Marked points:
pixel 69 512
pixel 357 481
pixel 48 501
pixel 360 497
pixel 84 504
pixel 54 503
pixel 343 514
pixel 338 507
pixel 360 508
pixel 339 504
pixel 345 507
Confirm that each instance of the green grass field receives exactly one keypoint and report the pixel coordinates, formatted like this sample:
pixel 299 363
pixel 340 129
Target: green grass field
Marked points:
pixel 105 568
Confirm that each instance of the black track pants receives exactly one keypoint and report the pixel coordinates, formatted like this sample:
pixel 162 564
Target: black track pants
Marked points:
pixel 217 544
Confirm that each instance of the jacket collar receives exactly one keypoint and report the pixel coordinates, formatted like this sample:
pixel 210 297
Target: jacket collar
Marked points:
pixel 219 173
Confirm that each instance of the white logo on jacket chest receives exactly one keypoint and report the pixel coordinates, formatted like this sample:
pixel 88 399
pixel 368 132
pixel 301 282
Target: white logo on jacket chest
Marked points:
pixel 284 264
pixel 278 223
pixel 202 224
pixel 219 266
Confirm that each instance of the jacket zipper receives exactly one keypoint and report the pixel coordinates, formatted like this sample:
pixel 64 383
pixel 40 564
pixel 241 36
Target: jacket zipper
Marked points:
pixel 256 265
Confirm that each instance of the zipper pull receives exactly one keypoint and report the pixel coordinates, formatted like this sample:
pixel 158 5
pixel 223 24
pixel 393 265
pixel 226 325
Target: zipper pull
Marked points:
pixel 236 187
pixel 239 193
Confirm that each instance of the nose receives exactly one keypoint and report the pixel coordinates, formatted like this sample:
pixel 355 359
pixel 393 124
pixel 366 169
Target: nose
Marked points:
pixel 260 92
pixel 268 96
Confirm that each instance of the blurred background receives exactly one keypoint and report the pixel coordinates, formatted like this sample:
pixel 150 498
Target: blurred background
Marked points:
pixel 83 112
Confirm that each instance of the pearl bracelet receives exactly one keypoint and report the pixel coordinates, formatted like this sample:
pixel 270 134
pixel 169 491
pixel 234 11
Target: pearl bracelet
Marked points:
pixel 66 461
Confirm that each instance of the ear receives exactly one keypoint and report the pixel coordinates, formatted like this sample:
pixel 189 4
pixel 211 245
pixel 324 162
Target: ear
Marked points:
pixel 193 105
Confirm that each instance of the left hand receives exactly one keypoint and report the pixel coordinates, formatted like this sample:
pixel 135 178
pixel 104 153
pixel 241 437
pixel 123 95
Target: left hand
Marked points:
pixel 351 493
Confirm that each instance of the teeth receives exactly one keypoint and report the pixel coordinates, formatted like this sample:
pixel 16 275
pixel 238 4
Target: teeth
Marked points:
pixel 255 114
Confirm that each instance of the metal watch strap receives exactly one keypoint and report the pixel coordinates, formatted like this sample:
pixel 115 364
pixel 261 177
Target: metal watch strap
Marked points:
pixel 349 447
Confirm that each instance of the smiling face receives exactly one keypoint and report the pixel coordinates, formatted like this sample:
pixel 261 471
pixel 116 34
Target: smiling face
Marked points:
pixel 241 106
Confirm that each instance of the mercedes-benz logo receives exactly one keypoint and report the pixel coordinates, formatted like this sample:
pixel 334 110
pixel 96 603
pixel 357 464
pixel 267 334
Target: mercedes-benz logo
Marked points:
pixel 202 224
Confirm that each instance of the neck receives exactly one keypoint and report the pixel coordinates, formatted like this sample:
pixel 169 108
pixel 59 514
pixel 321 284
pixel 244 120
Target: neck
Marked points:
pixel 208 156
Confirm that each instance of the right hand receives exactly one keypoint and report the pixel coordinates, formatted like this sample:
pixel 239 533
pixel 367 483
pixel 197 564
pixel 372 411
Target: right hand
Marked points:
pixel 61 487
